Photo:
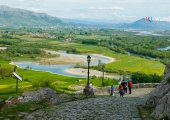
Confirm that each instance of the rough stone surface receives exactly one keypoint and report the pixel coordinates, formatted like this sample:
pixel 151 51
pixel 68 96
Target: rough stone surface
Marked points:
pixel 163 107
pixel 100 108
pixel 160 97
pixel 44 94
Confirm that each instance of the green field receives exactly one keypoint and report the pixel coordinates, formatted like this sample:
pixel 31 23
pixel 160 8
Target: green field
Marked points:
pixel 35 79
pixel 123 62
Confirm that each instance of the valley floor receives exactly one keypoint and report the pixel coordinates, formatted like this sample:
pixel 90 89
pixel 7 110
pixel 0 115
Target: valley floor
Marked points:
pixel 98 108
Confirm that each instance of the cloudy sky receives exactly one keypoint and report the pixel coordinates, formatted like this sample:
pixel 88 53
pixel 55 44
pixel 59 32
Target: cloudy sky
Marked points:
pixel 108 10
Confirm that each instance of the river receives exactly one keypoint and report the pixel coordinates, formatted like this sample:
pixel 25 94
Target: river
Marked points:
pixel 61 69
pixel 164 49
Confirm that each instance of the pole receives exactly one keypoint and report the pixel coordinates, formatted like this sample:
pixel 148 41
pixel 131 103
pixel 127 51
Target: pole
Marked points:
pixel 88 73
pixel 103 68
pixel 16 85
pixel 103 79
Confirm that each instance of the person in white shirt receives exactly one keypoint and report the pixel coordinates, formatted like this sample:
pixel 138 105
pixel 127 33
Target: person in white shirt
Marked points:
pixel 91 88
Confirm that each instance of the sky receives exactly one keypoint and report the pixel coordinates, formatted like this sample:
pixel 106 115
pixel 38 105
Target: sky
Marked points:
pixel 99 10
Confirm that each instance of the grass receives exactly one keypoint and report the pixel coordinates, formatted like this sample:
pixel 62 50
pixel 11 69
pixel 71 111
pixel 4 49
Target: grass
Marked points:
pixel 12 112
pixel 123 62
pixel 63 83
pixel 35 79
pixel 94 37
pixel 8 87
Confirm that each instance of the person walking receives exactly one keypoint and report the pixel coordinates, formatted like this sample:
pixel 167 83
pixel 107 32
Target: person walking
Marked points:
pixel 112 90
pixel 130 86
pixel 125 86
pixel 121 91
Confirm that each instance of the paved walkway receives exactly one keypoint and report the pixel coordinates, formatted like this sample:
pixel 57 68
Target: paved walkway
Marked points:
pixel 99 108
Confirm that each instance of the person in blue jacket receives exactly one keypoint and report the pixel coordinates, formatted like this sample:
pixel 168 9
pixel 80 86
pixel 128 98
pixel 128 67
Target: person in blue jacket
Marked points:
pixel 112 90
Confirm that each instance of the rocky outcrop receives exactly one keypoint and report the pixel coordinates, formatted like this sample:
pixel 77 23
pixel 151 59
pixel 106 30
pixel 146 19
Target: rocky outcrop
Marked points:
pixel 44 94
pixel 160 97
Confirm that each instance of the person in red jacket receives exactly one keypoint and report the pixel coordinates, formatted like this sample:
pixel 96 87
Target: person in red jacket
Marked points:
pixel 130 86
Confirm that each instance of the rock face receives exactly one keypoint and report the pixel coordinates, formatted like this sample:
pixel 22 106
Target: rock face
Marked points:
pixel 160 97
pixel 44 94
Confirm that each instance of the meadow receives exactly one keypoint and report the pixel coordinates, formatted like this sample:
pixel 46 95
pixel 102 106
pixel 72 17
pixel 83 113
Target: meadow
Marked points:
pixel 124 62
pixel 28 47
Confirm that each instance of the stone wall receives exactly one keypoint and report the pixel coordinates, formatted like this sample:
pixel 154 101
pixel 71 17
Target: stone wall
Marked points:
pixel 145 85
pixel 135 86
pixel 160 97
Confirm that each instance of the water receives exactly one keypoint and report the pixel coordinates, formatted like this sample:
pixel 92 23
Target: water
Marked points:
pixel 60 69
pixel 147 33
pixel 144 32
pixel 163 49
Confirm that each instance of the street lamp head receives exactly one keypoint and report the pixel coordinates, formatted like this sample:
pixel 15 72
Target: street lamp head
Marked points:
pixel 88 58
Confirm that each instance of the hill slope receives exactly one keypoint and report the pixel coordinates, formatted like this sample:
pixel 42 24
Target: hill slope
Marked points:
pixel 143 24
pixel 18 17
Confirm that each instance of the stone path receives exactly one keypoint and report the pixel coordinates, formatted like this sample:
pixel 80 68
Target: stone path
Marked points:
pixel 99 108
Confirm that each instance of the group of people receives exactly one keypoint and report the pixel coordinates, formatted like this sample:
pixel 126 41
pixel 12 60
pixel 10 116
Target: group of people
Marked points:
pixel 123 88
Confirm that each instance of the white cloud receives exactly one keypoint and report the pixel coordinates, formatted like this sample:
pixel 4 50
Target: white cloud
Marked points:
pixel 107 8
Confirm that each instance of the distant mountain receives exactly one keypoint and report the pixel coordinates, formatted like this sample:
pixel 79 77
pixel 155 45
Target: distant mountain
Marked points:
pixel 10 17
pixel 88 23
pixel 143 24
pixel 111 24
pixel 14 17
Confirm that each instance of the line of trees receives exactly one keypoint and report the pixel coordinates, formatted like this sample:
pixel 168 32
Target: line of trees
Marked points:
pixel 23 50
pixel 138 77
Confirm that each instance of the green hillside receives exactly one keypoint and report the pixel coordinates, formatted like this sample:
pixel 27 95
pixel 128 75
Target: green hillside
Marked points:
pixel 12 17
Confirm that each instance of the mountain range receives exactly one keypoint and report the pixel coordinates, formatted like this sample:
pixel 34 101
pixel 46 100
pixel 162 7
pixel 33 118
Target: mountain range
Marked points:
pixel 10 17
pixel 144 24
pixel 15 17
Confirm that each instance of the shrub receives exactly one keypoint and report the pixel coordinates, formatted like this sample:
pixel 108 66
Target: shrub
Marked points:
pixel 93 77
pixel 109 82
pixel 168 79
pixel 23 50
pixel 43 83
pixel 73 50
pixel 90 42
pixel 138 77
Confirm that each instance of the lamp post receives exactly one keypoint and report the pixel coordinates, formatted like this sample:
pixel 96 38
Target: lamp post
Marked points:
pixel 103 69
pixel 88 61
